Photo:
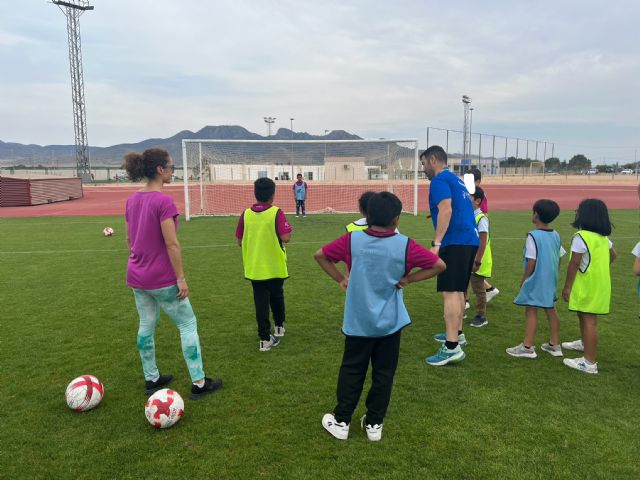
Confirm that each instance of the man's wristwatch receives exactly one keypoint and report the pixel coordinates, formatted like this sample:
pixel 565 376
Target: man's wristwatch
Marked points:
pixel 436 244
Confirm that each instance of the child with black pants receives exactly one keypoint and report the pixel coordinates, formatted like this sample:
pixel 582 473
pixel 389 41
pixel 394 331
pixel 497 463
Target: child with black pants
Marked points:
pixel 262 232
pixel 380 262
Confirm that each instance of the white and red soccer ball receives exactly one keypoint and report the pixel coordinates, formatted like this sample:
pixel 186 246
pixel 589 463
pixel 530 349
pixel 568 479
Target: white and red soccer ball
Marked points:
pixel 107 232
pixel 164 408
pixel 84 393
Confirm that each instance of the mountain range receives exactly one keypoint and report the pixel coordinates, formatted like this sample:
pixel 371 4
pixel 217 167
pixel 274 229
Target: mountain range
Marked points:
pixel 64 155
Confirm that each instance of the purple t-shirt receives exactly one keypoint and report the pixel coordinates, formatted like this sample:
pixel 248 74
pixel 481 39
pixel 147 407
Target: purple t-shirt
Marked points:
pixel 149 266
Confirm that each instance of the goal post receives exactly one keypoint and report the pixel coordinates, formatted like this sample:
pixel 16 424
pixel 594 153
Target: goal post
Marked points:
pixel 218 175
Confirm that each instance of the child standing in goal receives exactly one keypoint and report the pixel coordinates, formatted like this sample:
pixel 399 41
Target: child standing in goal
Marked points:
pixel 300 189
pixel 588 284
pixel 542 254
pixel 262 232
pixel 380 263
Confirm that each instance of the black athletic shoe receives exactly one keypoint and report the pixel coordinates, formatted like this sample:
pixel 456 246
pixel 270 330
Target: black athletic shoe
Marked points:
pixel 152 387
pixel 479 321
pixel 210 386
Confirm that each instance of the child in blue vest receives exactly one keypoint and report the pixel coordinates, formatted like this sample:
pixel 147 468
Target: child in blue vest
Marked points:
pixel 380 262
pixel 539 283
pixel 300 191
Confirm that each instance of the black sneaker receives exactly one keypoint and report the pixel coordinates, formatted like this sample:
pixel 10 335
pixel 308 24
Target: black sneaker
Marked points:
pixel 152 387
pixel 479 321
pixel 210 386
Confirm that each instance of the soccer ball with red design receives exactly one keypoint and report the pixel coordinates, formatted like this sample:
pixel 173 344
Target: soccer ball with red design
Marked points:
pixel 84 393
pixel 164 408
pixel 107 232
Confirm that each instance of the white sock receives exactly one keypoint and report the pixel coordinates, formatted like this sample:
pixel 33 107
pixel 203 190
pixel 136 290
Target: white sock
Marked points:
pixel 199 384
pixel 589 363
pixel 156 379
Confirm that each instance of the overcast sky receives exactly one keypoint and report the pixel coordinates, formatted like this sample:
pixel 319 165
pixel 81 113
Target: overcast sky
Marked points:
pixel 565 72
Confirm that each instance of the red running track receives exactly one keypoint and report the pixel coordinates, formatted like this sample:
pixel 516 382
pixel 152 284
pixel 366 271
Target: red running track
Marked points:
pixel 110 200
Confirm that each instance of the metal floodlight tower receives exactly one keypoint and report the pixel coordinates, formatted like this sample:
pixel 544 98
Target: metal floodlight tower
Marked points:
pixel 269 121
pixel 466 134
pixel 73 9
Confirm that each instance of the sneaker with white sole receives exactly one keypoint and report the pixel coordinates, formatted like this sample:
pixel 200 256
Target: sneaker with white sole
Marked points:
pixel 576 345
pixel 491 294
pixel 581 364
pixel 554 350
pixel 522 351
pixel 279 331
pixel 445 356
pixel 374 432
pixel 266 345
pixel 339 430
pixel 467 305
pixel 442 337
pixel 479 321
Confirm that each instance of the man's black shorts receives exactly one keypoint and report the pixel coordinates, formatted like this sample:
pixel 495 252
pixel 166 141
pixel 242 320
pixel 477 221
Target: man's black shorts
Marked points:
pixel 459 260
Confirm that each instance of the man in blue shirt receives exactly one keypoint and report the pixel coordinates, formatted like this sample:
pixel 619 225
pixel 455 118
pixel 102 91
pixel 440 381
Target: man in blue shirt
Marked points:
pixel 456 241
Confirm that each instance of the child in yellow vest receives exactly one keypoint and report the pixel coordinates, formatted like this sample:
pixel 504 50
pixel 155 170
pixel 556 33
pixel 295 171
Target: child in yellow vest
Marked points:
pixel 262 232
pixel 361 224
pixel 588 284
pixel 483 263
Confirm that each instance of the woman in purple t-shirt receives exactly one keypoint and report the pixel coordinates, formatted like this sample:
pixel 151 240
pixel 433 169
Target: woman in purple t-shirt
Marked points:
pixel 154 270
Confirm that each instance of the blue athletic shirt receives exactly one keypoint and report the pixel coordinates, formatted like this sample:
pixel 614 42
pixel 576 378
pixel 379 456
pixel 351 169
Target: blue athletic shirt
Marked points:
pixel 462 227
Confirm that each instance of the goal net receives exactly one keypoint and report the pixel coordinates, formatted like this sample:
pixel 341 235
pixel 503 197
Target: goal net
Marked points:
pixel 219 174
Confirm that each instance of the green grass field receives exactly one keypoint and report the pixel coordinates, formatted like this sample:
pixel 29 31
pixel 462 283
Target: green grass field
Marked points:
pixel 66 311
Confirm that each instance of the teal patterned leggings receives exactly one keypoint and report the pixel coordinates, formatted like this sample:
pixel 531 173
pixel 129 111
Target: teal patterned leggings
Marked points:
pixel 149 303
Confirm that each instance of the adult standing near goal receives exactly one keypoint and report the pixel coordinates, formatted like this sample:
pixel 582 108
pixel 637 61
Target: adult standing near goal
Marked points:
pixel 300 191
pixel 154 270
pixel 456 241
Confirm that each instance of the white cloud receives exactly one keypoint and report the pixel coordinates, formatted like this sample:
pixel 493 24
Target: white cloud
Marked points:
pixel 373 68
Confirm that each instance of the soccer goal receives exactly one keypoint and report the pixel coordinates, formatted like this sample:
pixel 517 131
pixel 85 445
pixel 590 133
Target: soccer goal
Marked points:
pixel 219 174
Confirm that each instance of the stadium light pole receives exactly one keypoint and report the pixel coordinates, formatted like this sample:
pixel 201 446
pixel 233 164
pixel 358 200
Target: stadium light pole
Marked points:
pixel 73 9
pixel 269 121
pixel 292 167
pixel 466 101
pixel 470 130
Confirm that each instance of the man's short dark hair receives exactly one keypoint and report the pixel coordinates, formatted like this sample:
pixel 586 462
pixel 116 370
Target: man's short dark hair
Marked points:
pixel 382 208
pixel 478 194
pixel 547 210
pixel 437 152
pixel 477 174
pixel 363 201
pixel 264 188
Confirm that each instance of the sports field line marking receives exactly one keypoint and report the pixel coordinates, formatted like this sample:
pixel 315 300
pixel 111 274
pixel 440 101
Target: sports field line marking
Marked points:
pixel 222 245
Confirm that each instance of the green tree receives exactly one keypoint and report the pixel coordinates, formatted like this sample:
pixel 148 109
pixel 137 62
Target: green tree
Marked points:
pixel 552 163
pixel 579 162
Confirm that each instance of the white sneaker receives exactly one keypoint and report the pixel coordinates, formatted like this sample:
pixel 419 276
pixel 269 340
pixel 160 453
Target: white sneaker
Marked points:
pixel 374 432
pixel 556 351
pixel 279 331
pixel 576 345
pixel 266 345
pixel 581 364
pixel 522 351
pixel 340 430
pixel 467 305
pixel 492 294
